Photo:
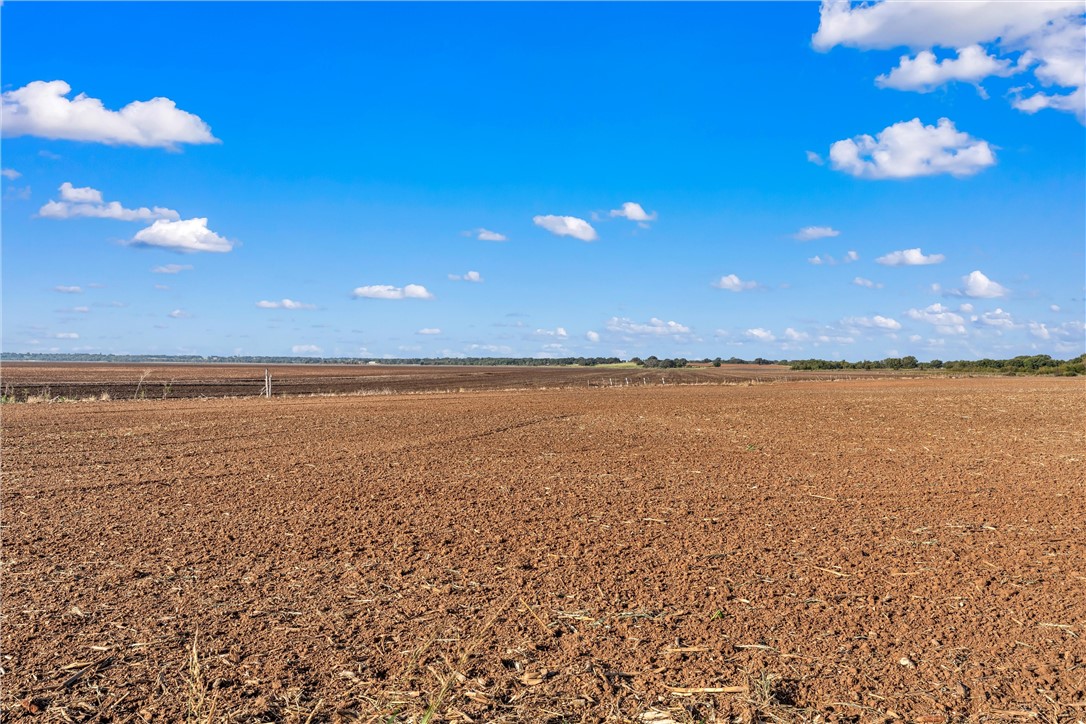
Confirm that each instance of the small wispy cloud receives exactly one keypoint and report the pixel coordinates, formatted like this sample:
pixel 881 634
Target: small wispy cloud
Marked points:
pixel 866 283
pixel 733 283
pixel 634 212
pixel 566 226
pixel 909 257
pixel 87 202
pixel 171 268
pixel 387 291
pixel 483 234
pixel 284 304
pixel 807 233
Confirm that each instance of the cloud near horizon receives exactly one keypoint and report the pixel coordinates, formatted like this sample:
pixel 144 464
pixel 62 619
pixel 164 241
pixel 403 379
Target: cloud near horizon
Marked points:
pixel 42 109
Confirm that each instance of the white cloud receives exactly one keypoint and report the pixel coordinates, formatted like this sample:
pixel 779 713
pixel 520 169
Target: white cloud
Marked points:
pixel 471 276
pixel 305 349
pixel 179 314
pixel 429 331
pixel 980 286
pixel 488 235
pixel 285 304
pixel 633 212
pixel 566 226
pixel 190 235
pixel 592 336
pixel 998 319
pixel 655 327
pixel 862 282
pixel 846 259
pixel 10 174
pixel 386 291
pixel 909 257
pixel 795 336
pixel 733 283
pixel 1047 33
pixel 760 334
pixel 909 149
pixel 68 290
pixel 924 73
pixel 808 233
pixel 876 322
pixel 171 268
pixel 943 319
pixel 87 202
pixel 559 332
pixel 814 158
pixel 41 109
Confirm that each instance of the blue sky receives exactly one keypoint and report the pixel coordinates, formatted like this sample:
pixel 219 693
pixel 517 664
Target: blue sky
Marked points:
pixel 347 158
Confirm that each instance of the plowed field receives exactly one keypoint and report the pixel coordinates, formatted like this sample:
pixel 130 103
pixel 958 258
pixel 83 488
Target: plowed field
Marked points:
pixel 867 550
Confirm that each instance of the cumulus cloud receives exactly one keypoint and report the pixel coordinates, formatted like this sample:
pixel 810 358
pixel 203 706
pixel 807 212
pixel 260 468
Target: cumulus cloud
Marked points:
pixel 487 235
pixel 998 318
pixel 10 174
pixel 924 73
pixel 1047 33
pixel 566 226
pixel 68 290
pixel 592 336
pixel 559 332
pixel 733 283
pixel 429 331
pixel 867 283
pixel 909 257
pixel 761 335
pixel 471 276
pixel 795 336
pixel 876 322
pixel 190 235
pixel 284 304
pixel 943 319
pixel 633 212
pixel 87 202
pixel 171 268
pixel 42 109
pixel 909 149
pixel 386 291
pixel 807 233
pixel 655 327
pixel 976 284
pixel 305 349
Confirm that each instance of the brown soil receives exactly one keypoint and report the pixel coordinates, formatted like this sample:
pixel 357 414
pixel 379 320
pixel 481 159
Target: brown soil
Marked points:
pixel 81 380
pixel 855 551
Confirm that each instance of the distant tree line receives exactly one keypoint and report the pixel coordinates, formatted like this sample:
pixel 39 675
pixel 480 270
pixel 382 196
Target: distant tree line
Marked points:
pixel 1038 364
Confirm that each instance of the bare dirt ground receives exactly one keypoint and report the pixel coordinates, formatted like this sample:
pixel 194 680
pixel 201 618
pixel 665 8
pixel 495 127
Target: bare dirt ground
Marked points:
pixel 870 550
pixel 81 380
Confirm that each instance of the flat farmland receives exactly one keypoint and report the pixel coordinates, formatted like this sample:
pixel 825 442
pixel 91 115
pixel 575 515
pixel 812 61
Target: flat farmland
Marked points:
pixel 858 550
pixel 82 380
